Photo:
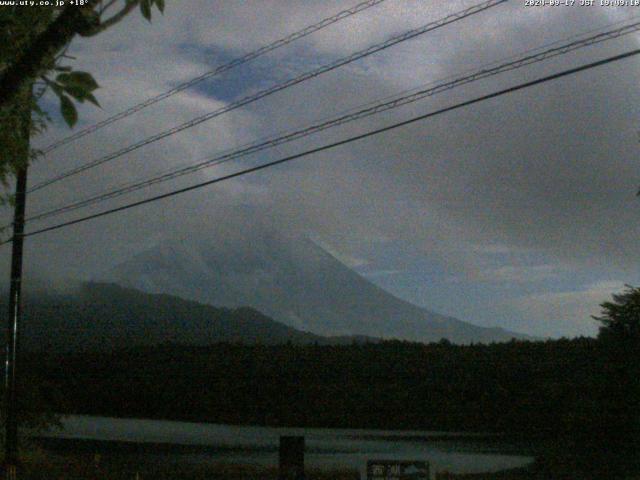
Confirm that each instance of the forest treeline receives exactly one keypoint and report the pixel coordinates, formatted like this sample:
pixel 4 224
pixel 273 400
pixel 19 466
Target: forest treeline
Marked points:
pixel 581 387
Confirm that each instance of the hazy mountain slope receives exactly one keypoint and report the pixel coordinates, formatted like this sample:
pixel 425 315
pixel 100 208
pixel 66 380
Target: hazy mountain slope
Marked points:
pixel 106 316
pixel 294 281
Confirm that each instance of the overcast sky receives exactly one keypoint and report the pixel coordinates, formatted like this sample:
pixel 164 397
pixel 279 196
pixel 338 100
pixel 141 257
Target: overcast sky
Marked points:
pixel 518 212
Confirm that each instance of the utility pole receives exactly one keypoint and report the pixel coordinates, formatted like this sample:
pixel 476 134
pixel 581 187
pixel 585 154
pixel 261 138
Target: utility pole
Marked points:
pixel 14 317
pixel 15 297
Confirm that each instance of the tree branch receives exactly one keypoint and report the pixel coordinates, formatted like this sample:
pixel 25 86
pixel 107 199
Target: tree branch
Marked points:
pixel 129 5
pixel 33 60
pixel 104 8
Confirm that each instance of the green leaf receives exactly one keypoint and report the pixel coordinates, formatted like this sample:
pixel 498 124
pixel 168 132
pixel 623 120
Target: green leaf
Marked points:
pixel 145 9
pixel 79 79
pixel 57 88
pixel 93 100
pixel 62 78
pixel 76 92
pixel 68 110
pixel 160 5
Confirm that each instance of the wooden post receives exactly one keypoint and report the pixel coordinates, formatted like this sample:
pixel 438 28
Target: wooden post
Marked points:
pixel 291 454
pixel 15 299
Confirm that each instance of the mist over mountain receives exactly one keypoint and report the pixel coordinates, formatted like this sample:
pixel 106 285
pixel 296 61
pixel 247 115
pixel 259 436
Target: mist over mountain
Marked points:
pixel 294 281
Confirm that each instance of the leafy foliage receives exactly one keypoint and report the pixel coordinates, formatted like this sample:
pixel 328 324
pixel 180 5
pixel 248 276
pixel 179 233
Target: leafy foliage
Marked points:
pixel 145 7
pixel 20 25
pixel 76 84
pixel 14 136
pixel 620 318
pixel 620 339
pixel 21 28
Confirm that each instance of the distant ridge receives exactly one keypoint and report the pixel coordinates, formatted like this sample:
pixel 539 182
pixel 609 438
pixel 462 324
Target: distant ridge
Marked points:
pixel 102 317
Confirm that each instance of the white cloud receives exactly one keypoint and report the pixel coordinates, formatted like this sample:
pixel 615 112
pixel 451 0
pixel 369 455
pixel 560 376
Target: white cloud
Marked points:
pixel 511 274
pixel 566 313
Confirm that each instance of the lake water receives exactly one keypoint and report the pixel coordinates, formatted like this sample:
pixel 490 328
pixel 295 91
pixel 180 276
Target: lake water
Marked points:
pixel 326 448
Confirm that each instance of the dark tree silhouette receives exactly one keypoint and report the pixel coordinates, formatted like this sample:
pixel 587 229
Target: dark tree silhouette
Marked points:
pixel 619 338
pixel 620 318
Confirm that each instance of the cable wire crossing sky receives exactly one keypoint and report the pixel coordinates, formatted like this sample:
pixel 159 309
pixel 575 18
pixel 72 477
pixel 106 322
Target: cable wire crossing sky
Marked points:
pixel 353 116
pixel 217 71
pixel 277 88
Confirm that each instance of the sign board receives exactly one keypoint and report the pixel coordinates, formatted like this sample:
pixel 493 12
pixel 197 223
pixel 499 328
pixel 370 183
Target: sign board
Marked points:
pixel 397 470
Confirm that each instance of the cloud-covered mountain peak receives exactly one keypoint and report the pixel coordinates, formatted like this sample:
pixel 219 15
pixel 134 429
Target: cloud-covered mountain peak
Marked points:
pixel 294 280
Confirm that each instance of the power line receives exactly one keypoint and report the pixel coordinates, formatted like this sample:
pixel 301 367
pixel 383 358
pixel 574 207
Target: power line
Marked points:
pixel 484 73
pixel 123 188
pixel 339 143
pixel 375 109
pixel 276 88
pixel 217 71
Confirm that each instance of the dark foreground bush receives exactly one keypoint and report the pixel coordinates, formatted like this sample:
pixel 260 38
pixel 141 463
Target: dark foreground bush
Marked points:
pixel 90 468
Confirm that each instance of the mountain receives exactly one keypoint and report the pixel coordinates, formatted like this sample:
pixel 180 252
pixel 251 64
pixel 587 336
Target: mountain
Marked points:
pixel 102 316
pixel 294 281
